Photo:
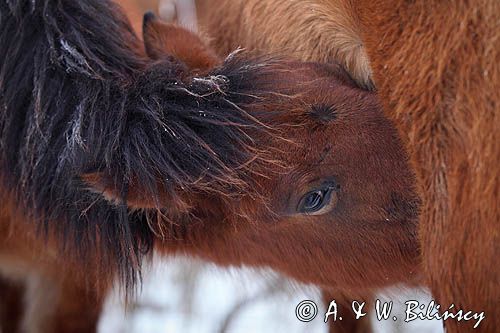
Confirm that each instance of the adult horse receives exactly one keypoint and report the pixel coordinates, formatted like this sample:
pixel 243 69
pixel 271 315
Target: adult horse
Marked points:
pixel 217 156
pixel 308 30
pixel 436 67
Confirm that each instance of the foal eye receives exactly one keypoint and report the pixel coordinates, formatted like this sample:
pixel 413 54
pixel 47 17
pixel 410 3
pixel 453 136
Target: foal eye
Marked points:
pixel 313 201
pixel 318 201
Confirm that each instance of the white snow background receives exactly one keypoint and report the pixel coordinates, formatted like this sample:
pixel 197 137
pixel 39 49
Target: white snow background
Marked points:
pixel 181 295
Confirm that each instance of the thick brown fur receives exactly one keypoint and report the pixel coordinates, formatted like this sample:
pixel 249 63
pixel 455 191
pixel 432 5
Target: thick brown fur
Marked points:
pixel 436 67
pixel 308 30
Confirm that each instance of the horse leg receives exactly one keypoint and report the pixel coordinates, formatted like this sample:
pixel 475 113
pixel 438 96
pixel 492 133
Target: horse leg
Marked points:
pixel 78 309
pixel 349 323
pixel 61 305
pixel 182 11
pixel 11 305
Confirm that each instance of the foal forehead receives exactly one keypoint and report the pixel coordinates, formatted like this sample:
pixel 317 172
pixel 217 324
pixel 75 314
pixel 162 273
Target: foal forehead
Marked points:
pixel 323 112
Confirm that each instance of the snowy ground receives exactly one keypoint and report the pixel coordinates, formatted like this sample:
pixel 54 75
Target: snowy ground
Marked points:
pixel 187 296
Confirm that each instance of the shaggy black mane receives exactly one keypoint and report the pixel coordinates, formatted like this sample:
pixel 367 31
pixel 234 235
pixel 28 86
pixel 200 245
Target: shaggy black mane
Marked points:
pixel 76 96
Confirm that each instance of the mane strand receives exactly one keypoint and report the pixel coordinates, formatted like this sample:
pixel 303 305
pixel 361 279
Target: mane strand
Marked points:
pixel 77 95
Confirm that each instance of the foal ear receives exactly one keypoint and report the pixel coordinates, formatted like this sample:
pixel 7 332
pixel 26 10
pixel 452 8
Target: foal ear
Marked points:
pixel 136 197
pixel 164 39
pixel 100 183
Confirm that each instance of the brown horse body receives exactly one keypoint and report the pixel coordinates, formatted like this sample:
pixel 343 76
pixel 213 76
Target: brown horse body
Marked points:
pixel 436 67
pixel 237 164
pixel 308 30
pixel 41 290
pixel 448 114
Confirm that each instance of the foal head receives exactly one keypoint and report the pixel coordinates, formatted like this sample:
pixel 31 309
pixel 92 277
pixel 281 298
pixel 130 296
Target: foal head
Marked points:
pixel 329 196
